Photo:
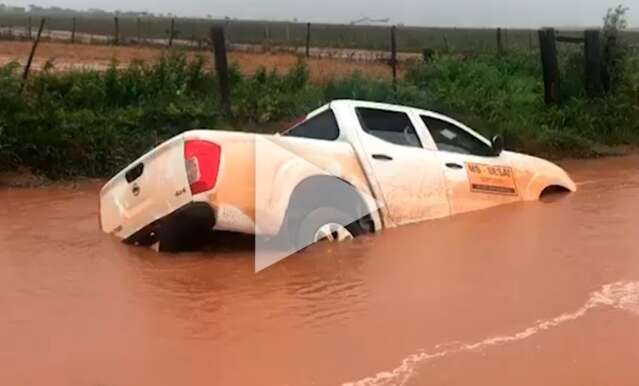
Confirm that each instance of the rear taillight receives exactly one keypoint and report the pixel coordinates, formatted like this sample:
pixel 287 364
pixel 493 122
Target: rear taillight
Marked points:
pixel 202 162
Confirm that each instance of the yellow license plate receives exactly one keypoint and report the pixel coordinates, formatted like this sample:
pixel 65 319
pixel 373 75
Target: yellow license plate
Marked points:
pixel 491 179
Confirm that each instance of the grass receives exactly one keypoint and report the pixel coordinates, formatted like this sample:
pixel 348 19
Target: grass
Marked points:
pixel 505 95
pixel 92 123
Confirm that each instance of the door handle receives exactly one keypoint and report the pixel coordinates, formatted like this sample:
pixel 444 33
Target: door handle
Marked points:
pixel 382 157
pixel 452 165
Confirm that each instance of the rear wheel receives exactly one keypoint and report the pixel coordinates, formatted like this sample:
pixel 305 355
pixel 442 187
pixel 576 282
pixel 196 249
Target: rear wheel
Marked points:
pixel 326 224
pixel 188 229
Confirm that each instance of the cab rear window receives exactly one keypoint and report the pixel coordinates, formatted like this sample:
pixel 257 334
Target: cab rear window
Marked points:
pixel 323 126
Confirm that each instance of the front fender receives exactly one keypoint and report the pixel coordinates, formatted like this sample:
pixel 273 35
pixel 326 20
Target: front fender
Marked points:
pixel 543 175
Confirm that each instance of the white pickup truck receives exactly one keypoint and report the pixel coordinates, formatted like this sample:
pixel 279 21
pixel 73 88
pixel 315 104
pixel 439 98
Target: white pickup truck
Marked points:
pixel 351 167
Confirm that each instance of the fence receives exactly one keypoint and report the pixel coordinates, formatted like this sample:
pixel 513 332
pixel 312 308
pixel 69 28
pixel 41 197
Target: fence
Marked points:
pixel 195 32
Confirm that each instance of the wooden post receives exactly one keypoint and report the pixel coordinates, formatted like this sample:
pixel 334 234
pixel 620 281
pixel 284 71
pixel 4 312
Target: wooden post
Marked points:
pixel 29 29
pixel 116 31
pixel 446 47
pixel 227 31
pixel 139 30
pixel 548 49
pixel 265 42
pixel 530 41
pixel 500 43
pixel 27 68
pixel 73 28
pixel 172 32
pixel 308 40
pixel 393 61
pixel 221 66
pixel 594 63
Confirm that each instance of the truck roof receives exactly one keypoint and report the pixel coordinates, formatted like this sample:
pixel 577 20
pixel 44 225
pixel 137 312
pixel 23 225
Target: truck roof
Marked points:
pixel 354 103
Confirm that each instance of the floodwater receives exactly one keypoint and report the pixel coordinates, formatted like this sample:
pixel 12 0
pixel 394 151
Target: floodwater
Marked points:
pixel 543 293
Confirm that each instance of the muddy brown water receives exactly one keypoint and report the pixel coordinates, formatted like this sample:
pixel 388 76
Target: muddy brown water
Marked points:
pixel 526 294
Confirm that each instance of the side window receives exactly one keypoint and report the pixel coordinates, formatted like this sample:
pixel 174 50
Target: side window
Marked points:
pixel 454 139
pixel 324 126
pixel 390 126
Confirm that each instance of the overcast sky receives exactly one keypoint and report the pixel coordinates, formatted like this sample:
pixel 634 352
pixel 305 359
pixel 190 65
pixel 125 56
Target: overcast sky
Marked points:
pixel 488 13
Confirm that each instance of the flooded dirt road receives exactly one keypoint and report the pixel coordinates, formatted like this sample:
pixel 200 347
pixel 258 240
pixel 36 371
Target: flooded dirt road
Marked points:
pixel 65 57
pixel 527 294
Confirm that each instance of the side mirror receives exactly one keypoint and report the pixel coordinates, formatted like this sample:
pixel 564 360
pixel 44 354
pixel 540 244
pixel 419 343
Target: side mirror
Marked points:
pixel 498 145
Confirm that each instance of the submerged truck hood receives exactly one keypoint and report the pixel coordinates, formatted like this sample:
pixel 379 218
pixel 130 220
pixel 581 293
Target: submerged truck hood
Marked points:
pixel 541 170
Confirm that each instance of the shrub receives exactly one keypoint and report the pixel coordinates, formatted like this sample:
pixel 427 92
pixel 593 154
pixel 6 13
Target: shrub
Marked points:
pixel 505 95
pixel 92 123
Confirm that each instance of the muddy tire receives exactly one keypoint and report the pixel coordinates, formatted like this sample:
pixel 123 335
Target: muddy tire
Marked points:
pixel 326 224
pixel 186 230
pixel 172 240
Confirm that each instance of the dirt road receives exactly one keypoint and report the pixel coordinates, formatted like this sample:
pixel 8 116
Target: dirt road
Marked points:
pixel 76 56
pixel 528 294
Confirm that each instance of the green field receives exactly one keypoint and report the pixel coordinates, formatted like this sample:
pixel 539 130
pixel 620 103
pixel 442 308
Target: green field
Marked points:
pixel 409 39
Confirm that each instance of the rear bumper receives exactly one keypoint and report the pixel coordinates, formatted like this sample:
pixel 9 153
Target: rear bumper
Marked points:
pixel 185 226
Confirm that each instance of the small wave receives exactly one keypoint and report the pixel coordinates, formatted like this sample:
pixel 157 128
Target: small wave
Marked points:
pixel 621 295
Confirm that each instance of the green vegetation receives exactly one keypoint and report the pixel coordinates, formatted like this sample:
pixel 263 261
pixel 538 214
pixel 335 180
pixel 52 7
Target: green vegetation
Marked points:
pixel 92 123
pixel 506 96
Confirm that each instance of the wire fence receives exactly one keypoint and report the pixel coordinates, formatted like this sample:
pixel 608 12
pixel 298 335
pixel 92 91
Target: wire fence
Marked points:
pixel 195 32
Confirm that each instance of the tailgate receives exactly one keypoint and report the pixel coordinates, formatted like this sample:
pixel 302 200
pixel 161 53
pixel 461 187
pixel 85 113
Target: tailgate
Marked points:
pixel 147 190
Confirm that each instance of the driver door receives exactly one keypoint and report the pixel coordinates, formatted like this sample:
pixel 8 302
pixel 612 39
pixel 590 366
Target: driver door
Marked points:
pixel 410 177
pixel 476 178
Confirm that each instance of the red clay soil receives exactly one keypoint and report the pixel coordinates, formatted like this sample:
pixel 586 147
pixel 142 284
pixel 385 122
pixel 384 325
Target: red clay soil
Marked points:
pixel 73 56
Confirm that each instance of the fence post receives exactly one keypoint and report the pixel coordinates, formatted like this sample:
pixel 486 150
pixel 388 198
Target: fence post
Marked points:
pixel 550 64
pixel 393 61
pixel 29 29
pixel 138 24
pixel 594 63
pixel 221 66
pixel 288 33
pixel 500 43
pixel 530 41
pixel 27 68
pixel 227 31
pixel 505 39
pixel 308 40
pixel 73 28
pixel 116 31
pixel 446 47
pixel 172 32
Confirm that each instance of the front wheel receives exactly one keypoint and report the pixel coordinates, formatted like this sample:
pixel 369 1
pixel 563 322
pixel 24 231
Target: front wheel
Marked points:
pixel 327 224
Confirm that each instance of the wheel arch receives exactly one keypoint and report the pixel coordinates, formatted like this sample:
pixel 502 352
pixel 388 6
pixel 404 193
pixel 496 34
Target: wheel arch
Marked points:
pixel 542 184
pixel 553 189
pixel 319 191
